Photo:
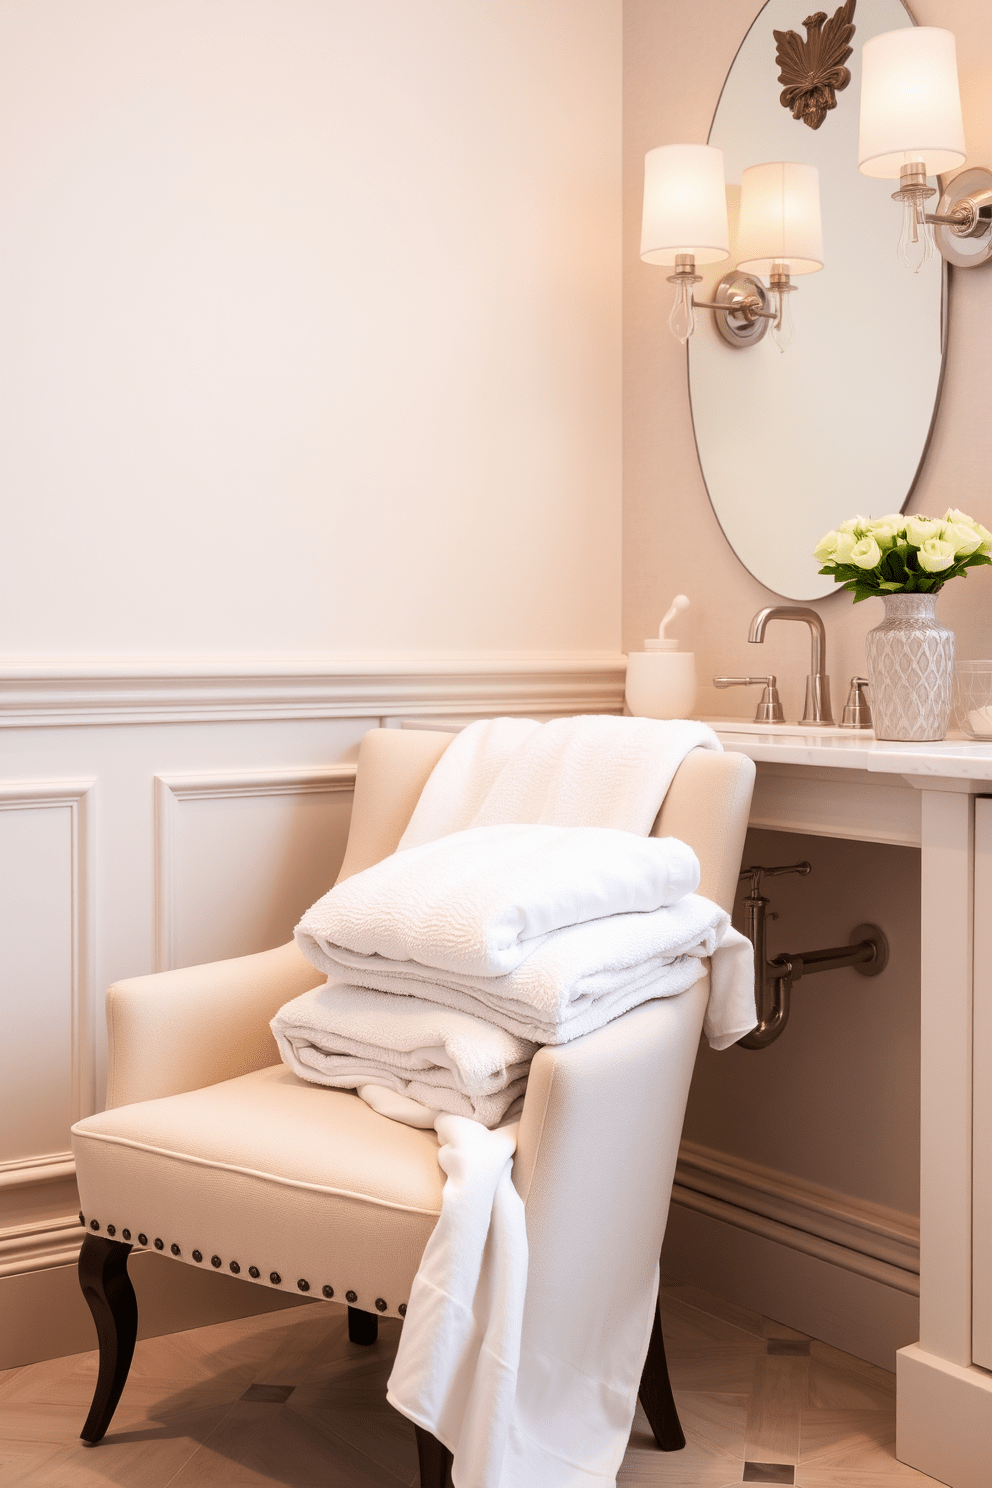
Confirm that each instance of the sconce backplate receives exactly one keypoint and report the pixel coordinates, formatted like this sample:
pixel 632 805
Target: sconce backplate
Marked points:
pixel 733 325
pixel 966 252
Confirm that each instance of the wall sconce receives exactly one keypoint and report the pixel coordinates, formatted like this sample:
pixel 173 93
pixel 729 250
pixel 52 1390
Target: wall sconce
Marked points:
pixel 779 233
pixel 911 128
pixel 685 224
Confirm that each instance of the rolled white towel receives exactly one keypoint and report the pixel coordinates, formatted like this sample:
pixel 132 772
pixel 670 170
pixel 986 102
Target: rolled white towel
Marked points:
pixel 448 1060
pixel 479 902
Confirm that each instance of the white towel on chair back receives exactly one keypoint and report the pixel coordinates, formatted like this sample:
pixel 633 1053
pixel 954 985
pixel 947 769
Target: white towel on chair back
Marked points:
pixel 592 771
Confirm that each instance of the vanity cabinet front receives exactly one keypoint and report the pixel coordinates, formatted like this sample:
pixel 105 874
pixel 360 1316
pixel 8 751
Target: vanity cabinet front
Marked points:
pixel 982 1152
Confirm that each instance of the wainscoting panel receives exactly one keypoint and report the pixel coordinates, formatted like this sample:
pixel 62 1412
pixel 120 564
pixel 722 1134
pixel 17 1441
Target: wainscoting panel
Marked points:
pixel 46 945
pixel 240 856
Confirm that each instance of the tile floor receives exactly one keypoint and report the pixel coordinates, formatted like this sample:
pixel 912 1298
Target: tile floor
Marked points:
pixel 285 1399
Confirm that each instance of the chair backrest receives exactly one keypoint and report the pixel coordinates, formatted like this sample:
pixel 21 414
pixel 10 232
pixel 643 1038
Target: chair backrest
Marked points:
pixel 706 806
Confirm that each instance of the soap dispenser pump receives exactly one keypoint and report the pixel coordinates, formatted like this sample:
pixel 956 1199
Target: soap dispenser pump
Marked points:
pixel 661 679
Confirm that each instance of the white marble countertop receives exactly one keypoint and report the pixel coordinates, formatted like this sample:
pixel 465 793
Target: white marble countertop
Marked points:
pixel 955 758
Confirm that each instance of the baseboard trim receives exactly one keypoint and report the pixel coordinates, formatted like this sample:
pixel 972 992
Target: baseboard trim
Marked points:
pixel 852 1311
pixel 880 1244
pixel 182 689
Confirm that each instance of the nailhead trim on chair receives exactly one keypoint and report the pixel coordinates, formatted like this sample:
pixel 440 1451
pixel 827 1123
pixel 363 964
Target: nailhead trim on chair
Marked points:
pixel 275 1279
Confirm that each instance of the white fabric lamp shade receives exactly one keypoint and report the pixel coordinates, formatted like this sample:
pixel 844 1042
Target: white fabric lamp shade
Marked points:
pixel 780 219
pixel 910 103
pixel 685 205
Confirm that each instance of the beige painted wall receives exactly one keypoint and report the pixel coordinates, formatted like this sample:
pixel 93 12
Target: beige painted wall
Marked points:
pixel 676 58
pixel 310 315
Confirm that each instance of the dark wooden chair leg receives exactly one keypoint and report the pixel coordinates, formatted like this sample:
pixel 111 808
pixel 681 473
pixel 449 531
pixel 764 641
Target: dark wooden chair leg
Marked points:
pixel 110 1298
pixel 435 1460
pixel 363 1327
pixel 656 1393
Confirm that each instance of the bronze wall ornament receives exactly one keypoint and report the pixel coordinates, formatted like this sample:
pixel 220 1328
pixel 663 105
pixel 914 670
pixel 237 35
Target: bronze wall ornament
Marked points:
pixel 813 69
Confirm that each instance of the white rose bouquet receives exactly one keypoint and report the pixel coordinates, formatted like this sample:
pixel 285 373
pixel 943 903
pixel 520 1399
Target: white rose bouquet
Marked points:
pixel 903 555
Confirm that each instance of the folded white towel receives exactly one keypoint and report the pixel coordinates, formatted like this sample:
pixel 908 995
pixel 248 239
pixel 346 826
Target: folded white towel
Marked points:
pixel 447 1060
pixel 479 902
pixel 438 923
pixel 583 977
pixel 592 771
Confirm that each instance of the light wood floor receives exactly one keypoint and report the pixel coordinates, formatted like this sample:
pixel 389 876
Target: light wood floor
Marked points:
pixel 285 1399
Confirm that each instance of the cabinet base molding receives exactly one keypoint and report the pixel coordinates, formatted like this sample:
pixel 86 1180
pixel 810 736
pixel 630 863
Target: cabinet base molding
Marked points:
pixel 943 1418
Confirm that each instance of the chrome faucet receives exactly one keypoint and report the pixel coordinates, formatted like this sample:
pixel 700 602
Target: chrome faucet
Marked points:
pixel 817 709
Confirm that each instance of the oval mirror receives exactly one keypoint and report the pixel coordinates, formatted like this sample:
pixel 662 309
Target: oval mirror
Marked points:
pixel 791 443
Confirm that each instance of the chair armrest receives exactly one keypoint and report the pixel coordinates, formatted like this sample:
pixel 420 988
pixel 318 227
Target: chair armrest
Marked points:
pixel 181 1030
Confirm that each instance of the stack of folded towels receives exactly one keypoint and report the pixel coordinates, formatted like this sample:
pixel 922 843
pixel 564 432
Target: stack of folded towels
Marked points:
pixel 525 905
pixel 449 963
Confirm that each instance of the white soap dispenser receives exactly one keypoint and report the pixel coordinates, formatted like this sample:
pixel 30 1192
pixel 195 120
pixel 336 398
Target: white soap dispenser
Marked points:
pixel 661 679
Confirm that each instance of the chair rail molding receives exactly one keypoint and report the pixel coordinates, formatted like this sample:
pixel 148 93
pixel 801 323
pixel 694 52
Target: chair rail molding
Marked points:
pixel 172 790
pixel 78 797
pixel 48 692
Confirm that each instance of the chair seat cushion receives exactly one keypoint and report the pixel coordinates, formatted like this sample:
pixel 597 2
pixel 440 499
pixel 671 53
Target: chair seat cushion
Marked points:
pixel 271 1179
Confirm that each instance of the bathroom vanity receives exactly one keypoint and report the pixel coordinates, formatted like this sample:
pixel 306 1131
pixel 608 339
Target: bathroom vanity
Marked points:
pixel 937 797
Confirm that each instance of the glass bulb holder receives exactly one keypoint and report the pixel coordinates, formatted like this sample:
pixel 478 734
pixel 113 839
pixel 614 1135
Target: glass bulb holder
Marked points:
pixel 915 246
pixel 682 320
pixel 780 288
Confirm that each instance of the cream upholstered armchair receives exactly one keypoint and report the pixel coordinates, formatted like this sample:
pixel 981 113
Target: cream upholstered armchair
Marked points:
pixel 217 1155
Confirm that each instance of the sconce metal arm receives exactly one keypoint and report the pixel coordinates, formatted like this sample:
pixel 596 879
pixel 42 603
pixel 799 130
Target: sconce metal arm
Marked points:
pixel 746 305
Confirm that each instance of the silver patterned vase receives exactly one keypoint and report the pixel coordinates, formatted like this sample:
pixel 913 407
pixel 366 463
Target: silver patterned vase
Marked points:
pixel 910 660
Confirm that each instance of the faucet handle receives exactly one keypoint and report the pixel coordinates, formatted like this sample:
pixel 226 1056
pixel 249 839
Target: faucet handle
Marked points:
pixel 857 714
pixel 769 709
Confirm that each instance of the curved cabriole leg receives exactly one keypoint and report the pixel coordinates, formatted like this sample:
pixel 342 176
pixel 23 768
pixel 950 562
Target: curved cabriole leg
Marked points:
pixel 110 1298
pixel 435 1460
pixel 363 1327
pixel 656 1393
